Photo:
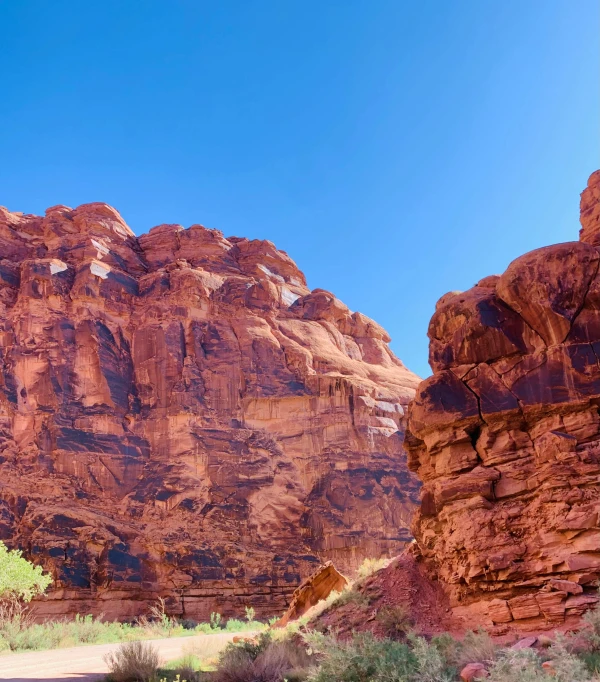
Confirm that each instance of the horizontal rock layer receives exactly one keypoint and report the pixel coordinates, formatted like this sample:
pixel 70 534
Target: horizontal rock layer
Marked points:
pixel 181 416
pixel 506 436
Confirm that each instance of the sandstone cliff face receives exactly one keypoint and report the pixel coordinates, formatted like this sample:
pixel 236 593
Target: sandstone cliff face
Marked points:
pixel 180 415
pixel 506 436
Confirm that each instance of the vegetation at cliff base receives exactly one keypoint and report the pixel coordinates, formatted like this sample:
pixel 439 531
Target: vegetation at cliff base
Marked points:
pixel 18 632
pixel 19 578
pixel 299 653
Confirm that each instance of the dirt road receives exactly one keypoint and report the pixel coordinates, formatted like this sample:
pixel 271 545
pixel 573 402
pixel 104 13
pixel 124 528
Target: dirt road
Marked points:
pixel 86 664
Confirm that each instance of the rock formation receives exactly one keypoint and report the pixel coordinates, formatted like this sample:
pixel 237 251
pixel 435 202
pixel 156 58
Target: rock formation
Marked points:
pixel 180 416
pixel 317 587
pixel 506 437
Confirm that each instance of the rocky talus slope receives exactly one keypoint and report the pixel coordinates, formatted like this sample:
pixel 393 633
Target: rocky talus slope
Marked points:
pixel 506 437
pixel 181 416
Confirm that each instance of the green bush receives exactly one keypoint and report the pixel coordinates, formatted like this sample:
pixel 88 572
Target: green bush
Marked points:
pixel 19 578
pixel 186 669
pixel 432 665
pixel 263 661
pixel 362 659
pixel 351 597
pixel 474 646
pixel 592 633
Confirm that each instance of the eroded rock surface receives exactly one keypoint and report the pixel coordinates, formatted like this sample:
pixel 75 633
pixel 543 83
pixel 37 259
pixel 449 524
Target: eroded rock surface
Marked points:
pixel 180 415
pixel 317 587
pixel 506 437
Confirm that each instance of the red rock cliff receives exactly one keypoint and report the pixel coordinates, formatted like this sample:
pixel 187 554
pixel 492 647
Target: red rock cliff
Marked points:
pixel 506 437
pixel 180 415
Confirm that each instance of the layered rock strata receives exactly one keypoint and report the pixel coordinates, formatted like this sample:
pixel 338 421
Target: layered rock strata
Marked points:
pixel 506 437
pixel 181 416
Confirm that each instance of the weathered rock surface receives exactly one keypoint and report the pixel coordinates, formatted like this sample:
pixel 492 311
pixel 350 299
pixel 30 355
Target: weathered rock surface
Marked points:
pixel 317 587
pixel 180 415
pixel 506 437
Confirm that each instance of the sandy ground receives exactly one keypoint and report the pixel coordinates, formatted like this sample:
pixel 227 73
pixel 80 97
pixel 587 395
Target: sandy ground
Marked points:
pixel 85 663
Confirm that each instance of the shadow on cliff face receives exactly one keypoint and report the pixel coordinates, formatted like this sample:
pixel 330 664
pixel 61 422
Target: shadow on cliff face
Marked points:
pixel 181 416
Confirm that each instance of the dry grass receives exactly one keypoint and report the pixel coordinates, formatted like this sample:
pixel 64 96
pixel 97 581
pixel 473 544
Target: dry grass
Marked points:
pixel 133 662
pixel 370 566
pixel 395 620
pixel 265 661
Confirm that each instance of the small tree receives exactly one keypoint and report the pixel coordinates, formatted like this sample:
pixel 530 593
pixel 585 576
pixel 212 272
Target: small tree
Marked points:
pixel 19 578
pixel 20 581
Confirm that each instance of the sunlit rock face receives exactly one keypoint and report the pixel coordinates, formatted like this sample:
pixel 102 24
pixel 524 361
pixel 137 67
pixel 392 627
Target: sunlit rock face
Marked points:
pixel 506 437
pixel 181 416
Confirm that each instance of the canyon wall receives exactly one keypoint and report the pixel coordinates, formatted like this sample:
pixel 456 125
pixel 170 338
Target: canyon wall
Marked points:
pixel 506 437
pixel 181 416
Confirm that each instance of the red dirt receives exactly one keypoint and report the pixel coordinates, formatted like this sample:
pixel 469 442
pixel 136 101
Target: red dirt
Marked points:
pixel 401 584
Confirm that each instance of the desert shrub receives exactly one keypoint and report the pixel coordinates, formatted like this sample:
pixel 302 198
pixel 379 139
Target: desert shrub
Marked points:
pixel 567 667
pixel 370 566
pixel 235 625
pixel 351 597
pixel 158 615
pixel 476 645
pixel 250 614
pixel 362 659
pixel 526 666
pixel 215 620
pixel 591 660
pixel 133 662
pixel 432 666
pixel 204 628
pixel 521 665
pixel 591 634
pixel 395 620
pixel 86 630
pixel 263 661
pixel 186 669
pixel 24 638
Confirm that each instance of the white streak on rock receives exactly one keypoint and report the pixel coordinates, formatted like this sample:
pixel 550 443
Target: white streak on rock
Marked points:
pixel 102 250
pixel 99 269
pixel 270 273
pixel 57 266
pixel 288 297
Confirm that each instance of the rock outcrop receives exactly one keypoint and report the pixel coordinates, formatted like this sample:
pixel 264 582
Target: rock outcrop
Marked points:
pixel 180 416
pixel 317 587
pixel 506 437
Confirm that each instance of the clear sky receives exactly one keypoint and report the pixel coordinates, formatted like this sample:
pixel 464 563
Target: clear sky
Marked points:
pixel 396 149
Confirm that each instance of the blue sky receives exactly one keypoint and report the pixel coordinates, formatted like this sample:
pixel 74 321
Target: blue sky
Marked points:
pixel 397 149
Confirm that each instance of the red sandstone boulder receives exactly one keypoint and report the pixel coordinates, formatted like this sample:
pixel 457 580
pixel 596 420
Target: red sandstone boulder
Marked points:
pixel 317 587
pixel 547 287
pixel 473 671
